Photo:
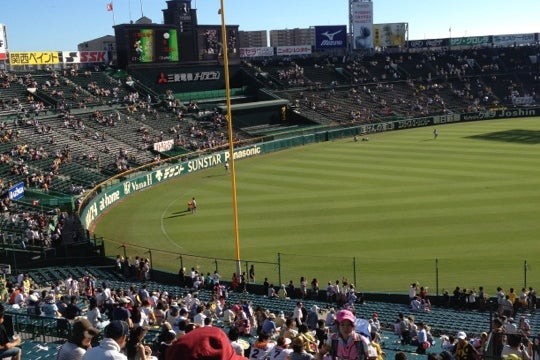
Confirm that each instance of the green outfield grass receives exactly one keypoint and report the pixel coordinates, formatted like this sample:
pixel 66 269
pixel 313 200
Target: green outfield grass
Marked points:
pixel 395 204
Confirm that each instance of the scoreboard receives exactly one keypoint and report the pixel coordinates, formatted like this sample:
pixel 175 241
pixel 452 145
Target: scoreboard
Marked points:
pixel 153 45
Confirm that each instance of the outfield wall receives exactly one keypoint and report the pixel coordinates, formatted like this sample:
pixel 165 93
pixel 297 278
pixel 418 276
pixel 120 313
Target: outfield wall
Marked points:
pixel 108 194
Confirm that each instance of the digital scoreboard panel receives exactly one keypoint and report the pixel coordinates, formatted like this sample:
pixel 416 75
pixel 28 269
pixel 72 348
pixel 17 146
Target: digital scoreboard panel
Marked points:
pixel 153 46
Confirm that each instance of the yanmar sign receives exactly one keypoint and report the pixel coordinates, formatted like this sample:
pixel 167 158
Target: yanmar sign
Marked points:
pixel 330 37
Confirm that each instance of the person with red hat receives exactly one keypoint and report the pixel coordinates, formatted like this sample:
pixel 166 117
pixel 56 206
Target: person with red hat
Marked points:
pixel 206 343
pixel 345 344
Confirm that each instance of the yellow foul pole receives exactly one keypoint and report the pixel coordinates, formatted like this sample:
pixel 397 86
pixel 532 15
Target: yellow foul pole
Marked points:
pixel 231 143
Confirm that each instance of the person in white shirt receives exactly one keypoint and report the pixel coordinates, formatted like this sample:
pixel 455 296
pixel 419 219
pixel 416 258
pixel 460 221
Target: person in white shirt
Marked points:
pixel 281 351
pixel 416 304
pixel 215 278
pixel 262 347
pixel 110 348
pixel 297 314
pixel 422 339
pixel 198 319
pixel 235 342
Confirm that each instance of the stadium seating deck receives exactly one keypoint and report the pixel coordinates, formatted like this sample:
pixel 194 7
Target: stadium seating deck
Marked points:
pixel 43 336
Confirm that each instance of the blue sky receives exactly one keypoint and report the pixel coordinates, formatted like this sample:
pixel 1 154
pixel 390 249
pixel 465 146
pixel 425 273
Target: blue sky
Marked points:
pixel 43 25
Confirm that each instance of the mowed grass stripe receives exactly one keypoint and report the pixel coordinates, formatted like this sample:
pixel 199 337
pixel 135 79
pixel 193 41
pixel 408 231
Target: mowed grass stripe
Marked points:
pixel 399 197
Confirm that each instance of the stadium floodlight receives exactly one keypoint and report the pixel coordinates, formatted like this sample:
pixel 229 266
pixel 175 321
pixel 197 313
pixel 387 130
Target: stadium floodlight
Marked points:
pixel 231 144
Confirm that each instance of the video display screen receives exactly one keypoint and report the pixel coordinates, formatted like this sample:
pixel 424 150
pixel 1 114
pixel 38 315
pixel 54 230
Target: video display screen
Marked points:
pixel 153 45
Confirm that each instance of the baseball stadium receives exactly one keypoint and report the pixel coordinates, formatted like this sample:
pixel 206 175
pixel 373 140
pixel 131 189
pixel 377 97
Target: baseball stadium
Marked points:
pixel 357 171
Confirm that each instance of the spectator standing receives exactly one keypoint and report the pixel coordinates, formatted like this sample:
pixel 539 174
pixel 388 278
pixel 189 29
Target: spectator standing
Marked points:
pixel 282 292
pixel 405 329
pixel 463 349
pixel 303 287
pixel 412 291
pixel 298 314
pixel 252 274
pixel 314 290
pixel 532 299
pixel 422 339
pixel 312 317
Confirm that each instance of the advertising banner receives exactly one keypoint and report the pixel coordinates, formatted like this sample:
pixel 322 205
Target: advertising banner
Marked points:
pixel 293 50
pixel 16 192
pixel 392 34
pixel 112 195
pixel 3 42
pixel 431 43
pixel 34 58
pixel 93 56
pixel 71 57
pixel 256 52
pixel 470 41
pixel 76 57
pixel 513 40
pixel 164 145
pixel 330 37
pixel 362 20
pixel 195 76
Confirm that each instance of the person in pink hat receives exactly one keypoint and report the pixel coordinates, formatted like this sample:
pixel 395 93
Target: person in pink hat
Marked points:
pixel 345 344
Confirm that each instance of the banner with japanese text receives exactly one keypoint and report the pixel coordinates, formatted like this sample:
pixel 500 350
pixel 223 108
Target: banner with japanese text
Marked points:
pixel 3 42
pixel 256 52
pixel 392 34
pixel 362 20
pixel 34 58
pixel 293 50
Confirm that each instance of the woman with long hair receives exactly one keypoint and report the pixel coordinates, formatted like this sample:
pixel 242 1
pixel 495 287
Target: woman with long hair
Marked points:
pixel 135 348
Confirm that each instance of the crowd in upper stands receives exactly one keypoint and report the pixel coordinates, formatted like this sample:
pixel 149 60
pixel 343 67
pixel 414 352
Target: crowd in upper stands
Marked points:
pixel 356 89
pixel 407 84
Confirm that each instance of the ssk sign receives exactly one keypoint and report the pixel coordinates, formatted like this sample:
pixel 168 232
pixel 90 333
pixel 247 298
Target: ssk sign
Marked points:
pixel 328 37
pixel 93 56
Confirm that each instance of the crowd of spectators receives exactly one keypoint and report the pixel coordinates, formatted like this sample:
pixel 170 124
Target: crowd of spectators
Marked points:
pixel 413 84
pixel 253 329
pixel 365 90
